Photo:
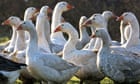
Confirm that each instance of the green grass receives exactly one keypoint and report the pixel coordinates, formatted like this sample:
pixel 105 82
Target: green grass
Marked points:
pixel 3 39
pixel 75 80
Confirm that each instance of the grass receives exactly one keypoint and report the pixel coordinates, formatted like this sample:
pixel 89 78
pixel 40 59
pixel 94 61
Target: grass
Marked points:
pixel 3 40
pixel 75 80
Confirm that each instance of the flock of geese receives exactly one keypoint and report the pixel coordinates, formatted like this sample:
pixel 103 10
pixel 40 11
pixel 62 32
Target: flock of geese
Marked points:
pixel 40 51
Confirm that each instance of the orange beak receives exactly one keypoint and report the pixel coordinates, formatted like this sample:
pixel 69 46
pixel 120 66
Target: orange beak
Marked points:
pixel 58 28
pixel 93 36
pixel 69 6
pixel 6 22
pixel 86 23
pixel 19 27
pixel 119 18
pixel 37 10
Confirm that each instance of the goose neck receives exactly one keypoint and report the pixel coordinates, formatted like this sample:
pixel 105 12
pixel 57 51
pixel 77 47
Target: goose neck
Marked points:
pixel 33 42
pixel 134 34
pixel 56 18
pixel 20 41
pixel 83 34
pixel 71 43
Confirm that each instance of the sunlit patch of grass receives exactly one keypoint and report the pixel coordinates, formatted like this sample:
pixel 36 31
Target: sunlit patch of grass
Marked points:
pixel 74 80
pixel 106 80
pixel 4 39
pixel 18 81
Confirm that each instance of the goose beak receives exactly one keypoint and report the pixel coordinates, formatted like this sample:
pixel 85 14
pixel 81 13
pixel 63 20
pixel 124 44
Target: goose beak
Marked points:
pixel 37 10
pixel 58 28
pixel 114 16
pixel 6 22
pixel 87 23
pixel 19 27
pixel 49 10
pixel 93 36
pixel 119 18
pixel 69 6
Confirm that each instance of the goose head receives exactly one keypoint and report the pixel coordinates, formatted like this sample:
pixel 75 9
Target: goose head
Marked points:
pixel 26 25
pixel 13 21
pixel 98 33
pixel 82 20
pixel 65 27
pixel 108 15
pixel 64 6
pixel 127 17
pixel 45 10
pixel 29 12
pixel 102 33
pixel 96 20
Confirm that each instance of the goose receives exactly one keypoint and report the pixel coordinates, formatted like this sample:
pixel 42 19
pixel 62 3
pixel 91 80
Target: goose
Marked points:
pixel 9 70
pixel 133 42
pixel 11 45
pixel 100 21
pixel 60 7
pixel 120 68
pixel 28 15
pixel 84 37
pixel 41 28
pixel 43 22
pixel 18 54
pixel 14 22
pixel 84 58
pixel 45 66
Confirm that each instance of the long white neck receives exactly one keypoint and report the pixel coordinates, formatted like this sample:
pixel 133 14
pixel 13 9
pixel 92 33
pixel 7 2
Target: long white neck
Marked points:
pixel 123 40
pixel 106 28
pixel 134 34
pixel 47 30
pixel 56 19
pixel 71 43
pixel 20 41
pixel 33 43
pixel 40 28
pixel 13 38
pixel 105 42
pixel 83 35
pixel 98 40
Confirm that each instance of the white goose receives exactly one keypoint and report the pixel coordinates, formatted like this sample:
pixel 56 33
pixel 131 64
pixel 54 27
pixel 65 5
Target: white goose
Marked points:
pixel 100 21
pixel 84 58
pixel 41 28
pixel 84 37
pixel 11 45
pixel 120 68
pixel 133 42
pixel 19 43
pixel 43 66
pixel 60 7
pixel 28 15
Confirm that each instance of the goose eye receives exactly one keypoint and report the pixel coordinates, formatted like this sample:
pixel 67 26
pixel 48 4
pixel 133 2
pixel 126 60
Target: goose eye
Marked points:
pixel 93 18
pixel 63 4
pixel 62 25
pixel 125 14
pixel 12 18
